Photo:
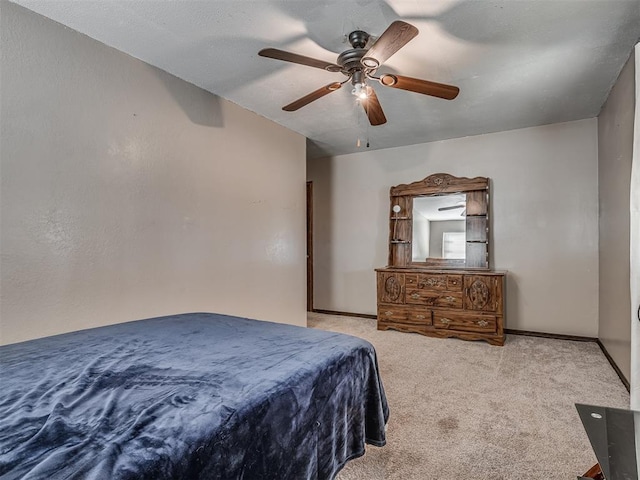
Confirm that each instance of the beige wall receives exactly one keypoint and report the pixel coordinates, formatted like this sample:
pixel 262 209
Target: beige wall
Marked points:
pixel 127 193
pixel 544 219
pixel 615 149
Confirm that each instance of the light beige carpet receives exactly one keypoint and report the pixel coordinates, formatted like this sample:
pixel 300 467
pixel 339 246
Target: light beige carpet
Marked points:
pixel 467 410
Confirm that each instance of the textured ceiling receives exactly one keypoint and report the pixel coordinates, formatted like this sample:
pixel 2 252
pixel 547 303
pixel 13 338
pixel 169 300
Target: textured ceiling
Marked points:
pixel 518 63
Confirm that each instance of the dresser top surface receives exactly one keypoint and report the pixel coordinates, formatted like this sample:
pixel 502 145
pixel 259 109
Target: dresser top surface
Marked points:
pixel 439 271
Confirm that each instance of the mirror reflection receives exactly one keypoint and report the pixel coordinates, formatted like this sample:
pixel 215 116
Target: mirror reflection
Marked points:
pixel 439 227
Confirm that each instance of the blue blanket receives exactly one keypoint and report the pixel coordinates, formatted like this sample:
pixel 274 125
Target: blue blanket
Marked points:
pixel 193 396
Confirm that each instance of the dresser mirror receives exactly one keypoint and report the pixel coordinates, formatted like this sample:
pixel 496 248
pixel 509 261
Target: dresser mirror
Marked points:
pixel 441 222
pixel 439 227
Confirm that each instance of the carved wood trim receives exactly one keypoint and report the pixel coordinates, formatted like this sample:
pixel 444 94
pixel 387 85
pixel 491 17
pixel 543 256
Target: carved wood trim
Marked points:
pixel 440 183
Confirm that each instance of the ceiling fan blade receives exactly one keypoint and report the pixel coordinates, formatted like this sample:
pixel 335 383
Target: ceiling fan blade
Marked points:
pixel 396 36
pixel 373 108
pixel 315 95
pixel 448 92
pixel 300 59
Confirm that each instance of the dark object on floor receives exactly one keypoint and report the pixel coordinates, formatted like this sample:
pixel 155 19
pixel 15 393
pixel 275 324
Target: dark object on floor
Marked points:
pixel 611 432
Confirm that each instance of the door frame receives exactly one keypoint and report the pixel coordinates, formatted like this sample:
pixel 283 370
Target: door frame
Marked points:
pixel 309 246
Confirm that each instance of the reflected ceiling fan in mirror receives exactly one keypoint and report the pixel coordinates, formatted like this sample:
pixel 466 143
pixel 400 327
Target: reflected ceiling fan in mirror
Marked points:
pixel 359 64
pixel 452 207
pixel 462 205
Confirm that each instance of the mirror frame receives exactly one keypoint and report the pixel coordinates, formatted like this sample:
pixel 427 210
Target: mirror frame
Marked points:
pixel 476 221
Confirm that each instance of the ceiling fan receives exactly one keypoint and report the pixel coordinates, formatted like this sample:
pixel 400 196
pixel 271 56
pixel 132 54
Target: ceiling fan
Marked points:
pixel 359 65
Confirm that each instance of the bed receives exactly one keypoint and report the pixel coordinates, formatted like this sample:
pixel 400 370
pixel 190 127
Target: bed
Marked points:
pixel 191 396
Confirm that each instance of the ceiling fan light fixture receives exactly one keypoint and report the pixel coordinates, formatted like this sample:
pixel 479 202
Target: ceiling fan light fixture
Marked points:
pixel 360 90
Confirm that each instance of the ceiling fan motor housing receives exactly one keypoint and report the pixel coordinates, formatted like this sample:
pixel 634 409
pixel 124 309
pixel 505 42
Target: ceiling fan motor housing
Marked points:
pixel 349 60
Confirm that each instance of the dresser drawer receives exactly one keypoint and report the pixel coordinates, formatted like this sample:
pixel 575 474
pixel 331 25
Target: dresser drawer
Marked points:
pixel 392 313
pixel 419 315
pixel 446 320
pixel 411 280
pixel 414 316
pixel 454 283
pixel 432 282
pixel 451 283
pixel 434 298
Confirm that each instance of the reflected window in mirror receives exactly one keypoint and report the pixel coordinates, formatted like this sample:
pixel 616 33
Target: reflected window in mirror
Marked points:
pixel 453 245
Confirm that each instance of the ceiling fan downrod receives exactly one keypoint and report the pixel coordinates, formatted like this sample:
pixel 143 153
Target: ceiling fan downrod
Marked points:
pixel 358 39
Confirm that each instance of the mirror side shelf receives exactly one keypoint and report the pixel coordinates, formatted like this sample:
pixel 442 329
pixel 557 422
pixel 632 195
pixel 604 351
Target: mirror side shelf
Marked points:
pixel 400 228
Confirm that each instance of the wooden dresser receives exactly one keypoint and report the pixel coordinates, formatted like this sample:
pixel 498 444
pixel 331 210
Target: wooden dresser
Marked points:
pixel 436 291
pixel 442 303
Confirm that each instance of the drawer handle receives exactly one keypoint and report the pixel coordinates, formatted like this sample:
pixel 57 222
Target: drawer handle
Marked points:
pixel 450 299
pixel 388 313
pixel 415 295
pixel 483 323
pixel 446 321
pixel 421 317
